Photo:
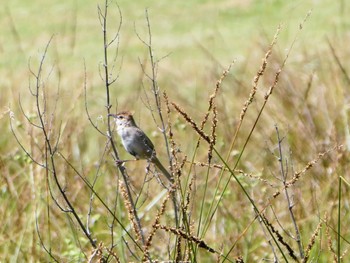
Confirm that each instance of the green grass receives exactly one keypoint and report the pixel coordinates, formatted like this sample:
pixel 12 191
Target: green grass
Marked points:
pixel 199 39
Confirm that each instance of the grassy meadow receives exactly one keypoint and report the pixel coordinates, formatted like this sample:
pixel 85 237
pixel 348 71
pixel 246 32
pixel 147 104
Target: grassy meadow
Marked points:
pixel 246 102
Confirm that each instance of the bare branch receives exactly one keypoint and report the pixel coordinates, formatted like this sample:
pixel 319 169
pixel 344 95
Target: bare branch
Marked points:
pixel 88 184
pixel 289 202
pixel 49 149
pixel 23 148
pixel 25 115
pixel 48 251
pixel 108 80
pixel 86 105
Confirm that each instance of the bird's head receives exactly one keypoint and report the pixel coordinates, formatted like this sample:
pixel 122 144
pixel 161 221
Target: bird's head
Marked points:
pixel 123 119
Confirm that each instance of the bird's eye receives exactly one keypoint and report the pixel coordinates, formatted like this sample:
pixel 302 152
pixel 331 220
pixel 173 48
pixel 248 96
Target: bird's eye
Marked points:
pixel 120 117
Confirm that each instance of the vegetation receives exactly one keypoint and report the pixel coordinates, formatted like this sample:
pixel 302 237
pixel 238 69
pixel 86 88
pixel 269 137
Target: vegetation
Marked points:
pixel 246 103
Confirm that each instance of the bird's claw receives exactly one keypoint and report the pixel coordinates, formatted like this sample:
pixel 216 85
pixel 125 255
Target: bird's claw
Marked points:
pixel 119 162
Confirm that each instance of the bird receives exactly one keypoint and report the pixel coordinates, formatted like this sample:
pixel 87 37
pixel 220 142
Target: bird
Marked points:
pixel 136 142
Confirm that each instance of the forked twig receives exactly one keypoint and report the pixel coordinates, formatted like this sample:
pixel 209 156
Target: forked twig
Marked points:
pixel 109 80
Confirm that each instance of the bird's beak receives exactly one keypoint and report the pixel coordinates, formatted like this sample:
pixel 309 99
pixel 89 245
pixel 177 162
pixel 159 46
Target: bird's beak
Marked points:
pixel 112 115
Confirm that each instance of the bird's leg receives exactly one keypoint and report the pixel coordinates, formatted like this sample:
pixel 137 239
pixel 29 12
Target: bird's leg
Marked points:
pixel 120 162
pixel 148 170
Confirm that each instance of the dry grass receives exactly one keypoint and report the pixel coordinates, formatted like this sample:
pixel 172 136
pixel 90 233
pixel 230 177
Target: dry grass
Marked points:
pixel 259 149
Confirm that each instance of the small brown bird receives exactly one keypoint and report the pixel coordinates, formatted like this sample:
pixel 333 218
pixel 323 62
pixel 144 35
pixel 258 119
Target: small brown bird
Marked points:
pixel 136 142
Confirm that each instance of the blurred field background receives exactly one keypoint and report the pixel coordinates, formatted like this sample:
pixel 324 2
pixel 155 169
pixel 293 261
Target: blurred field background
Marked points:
pixel 196 41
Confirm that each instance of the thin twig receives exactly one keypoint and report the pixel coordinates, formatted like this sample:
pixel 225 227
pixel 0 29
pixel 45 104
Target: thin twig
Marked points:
pixel 289 202
pixel 108 79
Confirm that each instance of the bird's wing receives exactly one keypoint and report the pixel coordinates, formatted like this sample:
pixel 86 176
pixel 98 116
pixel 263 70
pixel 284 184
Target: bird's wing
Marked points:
pixel 143 137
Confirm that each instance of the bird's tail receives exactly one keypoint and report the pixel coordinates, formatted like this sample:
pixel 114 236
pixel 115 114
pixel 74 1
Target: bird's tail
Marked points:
pixel 162 169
